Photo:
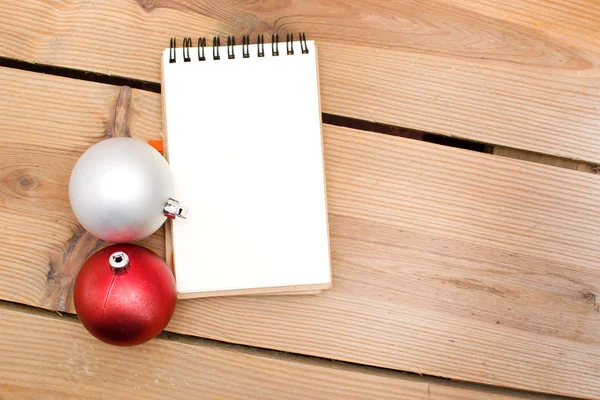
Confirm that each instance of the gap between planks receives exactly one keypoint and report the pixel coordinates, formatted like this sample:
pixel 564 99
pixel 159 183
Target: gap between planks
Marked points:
pixel 331 119
pixel 322 362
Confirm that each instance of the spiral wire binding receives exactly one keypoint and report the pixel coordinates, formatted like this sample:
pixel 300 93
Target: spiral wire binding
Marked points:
pixel 201 46
pixel 187 43
pixel 289 44
pixel 216 45
pixel 260 45
pixel 275 44
pixel 303 45
pixel 172 52
pixel 246 46
pixel 230 44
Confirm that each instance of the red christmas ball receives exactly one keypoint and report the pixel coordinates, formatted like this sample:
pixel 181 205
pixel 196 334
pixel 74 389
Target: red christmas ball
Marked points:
pixel 125 295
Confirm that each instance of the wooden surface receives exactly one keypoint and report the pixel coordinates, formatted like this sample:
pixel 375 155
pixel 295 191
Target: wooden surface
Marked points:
pixel 446 262
pixel 507 73
pixel 38 363
pixel 477 267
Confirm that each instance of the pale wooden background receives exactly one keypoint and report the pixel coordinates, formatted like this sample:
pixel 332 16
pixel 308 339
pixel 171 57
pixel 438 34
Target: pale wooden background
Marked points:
pixel 449 263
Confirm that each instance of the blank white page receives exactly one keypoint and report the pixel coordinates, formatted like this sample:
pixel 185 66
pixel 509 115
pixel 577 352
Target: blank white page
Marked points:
pixel 245 146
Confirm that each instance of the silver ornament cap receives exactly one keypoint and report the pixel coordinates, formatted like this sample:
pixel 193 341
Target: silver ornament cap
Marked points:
pixel 119 262
pixel 175 210
pixel 120 189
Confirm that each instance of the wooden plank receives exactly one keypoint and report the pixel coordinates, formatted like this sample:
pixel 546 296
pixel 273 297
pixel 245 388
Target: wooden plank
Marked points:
pixel 518 75
pixel 446 262
pixel 565 21
pixel 38 362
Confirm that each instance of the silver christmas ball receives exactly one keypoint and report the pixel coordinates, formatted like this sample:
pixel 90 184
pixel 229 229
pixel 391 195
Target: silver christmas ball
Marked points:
pixel 119 189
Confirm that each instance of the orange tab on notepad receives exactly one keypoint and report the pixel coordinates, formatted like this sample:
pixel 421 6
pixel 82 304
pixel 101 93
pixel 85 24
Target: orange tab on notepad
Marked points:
pixel 158 145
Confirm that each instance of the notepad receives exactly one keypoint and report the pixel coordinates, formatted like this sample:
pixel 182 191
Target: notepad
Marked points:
pixel 244 141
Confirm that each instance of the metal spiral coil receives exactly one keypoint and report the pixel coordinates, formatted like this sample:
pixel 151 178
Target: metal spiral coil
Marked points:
pixel 187 43
pixel 246 46
pixel 275 44
pixel 230 47
pixel 260 45
pixel 216 45
pixel 172 53
pixel 201 46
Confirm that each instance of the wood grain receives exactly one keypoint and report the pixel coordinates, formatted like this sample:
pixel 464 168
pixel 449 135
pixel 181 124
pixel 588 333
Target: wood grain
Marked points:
pixel 513 74
pixel 446 262
pixel 38 362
